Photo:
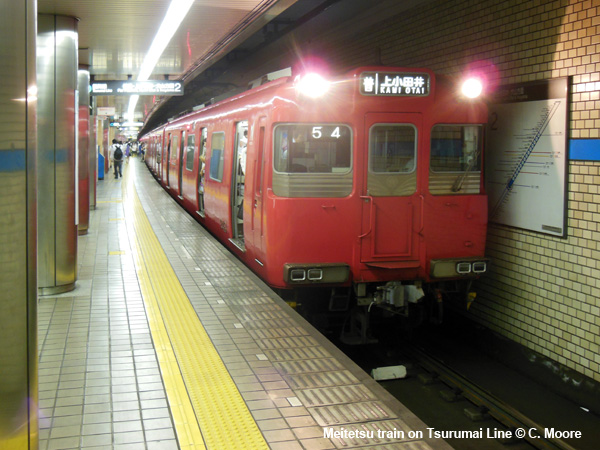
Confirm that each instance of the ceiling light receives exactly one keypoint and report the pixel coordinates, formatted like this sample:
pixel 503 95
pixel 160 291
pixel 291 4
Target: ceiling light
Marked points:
pixel 177 11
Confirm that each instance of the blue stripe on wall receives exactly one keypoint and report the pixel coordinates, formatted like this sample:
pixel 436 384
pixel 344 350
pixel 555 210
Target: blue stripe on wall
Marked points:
pixel 12 160
pixel 584 149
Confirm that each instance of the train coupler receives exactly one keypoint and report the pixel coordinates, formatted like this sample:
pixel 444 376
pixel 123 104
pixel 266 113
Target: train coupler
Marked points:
pixel 397 295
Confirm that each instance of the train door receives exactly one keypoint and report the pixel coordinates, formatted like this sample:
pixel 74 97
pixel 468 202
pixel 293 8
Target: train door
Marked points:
pixel 392 203
pixel 181 164
pixel 238 183
pixel 258 173
pixel 201 167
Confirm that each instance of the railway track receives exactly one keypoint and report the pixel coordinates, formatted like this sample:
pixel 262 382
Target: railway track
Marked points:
pixel 517 427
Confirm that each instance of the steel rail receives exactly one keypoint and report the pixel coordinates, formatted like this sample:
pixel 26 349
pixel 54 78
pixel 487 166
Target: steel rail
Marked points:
pixel 493 406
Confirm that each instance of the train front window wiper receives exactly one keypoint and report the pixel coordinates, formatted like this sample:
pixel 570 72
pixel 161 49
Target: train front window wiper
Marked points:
pixel 458 183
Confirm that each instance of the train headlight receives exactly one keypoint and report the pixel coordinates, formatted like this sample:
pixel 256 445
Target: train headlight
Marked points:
pixel 472 88
pixel 312 85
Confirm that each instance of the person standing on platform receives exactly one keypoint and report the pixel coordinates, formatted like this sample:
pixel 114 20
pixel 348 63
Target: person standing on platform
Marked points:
pixel 111 151
pixel 118 159
pixel 127 152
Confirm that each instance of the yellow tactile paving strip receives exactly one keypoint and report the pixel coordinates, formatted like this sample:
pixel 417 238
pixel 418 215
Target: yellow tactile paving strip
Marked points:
pixel 207 408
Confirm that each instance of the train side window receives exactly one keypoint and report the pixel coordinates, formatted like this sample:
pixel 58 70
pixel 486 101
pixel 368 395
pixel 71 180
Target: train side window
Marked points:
pixel 392 148
pixel 217 156
pixel 455 166
pixel 189 152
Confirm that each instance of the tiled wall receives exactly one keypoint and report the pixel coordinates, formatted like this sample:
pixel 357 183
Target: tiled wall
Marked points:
pixel 542 292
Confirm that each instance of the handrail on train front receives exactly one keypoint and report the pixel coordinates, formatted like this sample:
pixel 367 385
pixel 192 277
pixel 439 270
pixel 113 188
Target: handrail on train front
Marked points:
pixel 370 199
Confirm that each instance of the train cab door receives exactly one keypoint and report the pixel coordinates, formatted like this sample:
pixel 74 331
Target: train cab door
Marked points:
pixel 258 174
pixel 238 184
pixel 391 200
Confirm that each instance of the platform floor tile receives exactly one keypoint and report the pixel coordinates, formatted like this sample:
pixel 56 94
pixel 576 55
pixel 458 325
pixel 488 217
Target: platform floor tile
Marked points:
pixel 102 380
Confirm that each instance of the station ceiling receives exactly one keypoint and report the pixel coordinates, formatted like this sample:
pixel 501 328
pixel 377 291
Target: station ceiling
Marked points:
pixel 114 36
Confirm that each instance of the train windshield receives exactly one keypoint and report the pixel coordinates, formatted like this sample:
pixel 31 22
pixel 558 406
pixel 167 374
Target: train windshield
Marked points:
pixel 314 148
pixel 312 160
pixel 456 159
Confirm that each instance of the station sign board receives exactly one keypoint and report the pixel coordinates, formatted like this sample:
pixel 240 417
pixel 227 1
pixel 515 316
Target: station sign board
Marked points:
pixel 133 87
pixel 105 111
pixel 394 84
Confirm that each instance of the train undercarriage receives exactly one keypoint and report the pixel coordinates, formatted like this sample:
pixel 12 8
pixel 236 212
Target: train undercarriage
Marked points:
pixel 353 312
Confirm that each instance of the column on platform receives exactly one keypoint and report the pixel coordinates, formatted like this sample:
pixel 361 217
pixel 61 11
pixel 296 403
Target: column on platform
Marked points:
pixel 57 106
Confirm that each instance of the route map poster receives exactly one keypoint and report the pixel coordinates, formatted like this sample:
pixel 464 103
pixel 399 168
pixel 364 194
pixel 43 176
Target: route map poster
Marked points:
pixel 526 156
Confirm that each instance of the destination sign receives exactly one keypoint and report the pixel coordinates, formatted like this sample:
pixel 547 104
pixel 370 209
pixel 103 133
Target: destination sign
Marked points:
pixel 391 84
pixel 131 87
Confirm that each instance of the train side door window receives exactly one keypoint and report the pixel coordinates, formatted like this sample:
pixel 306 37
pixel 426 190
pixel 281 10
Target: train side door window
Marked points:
pixel 173 158
pixel 392 160
pixel 173 148
pixel 455 166
pixel 167 156
pixel 260 161
pixel 189 152
pixel 181 163
pixel 201 167
pixel 217 156
pixel 159 155
pixel 258 173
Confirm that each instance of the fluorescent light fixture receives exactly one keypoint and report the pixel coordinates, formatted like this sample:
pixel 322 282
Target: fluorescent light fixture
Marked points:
pixel 177 11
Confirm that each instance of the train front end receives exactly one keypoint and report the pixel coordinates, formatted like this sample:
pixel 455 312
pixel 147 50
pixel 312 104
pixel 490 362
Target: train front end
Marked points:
pixel 388 165
pixel 424 209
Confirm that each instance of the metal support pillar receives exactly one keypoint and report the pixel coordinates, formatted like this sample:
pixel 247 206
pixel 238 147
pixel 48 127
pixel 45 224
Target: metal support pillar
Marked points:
pixel 57 84
pixel 18 229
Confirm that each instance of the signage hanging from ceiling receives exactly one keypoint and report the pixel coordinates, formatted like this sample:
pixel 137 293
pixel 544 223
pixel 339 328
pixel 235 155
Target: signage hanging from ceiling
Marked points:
pixel 131 87
pixel 105 111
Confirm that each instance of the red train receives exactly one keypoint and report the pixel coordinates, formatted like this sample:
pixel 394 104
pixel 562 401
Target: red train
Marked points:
pixel 369 185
